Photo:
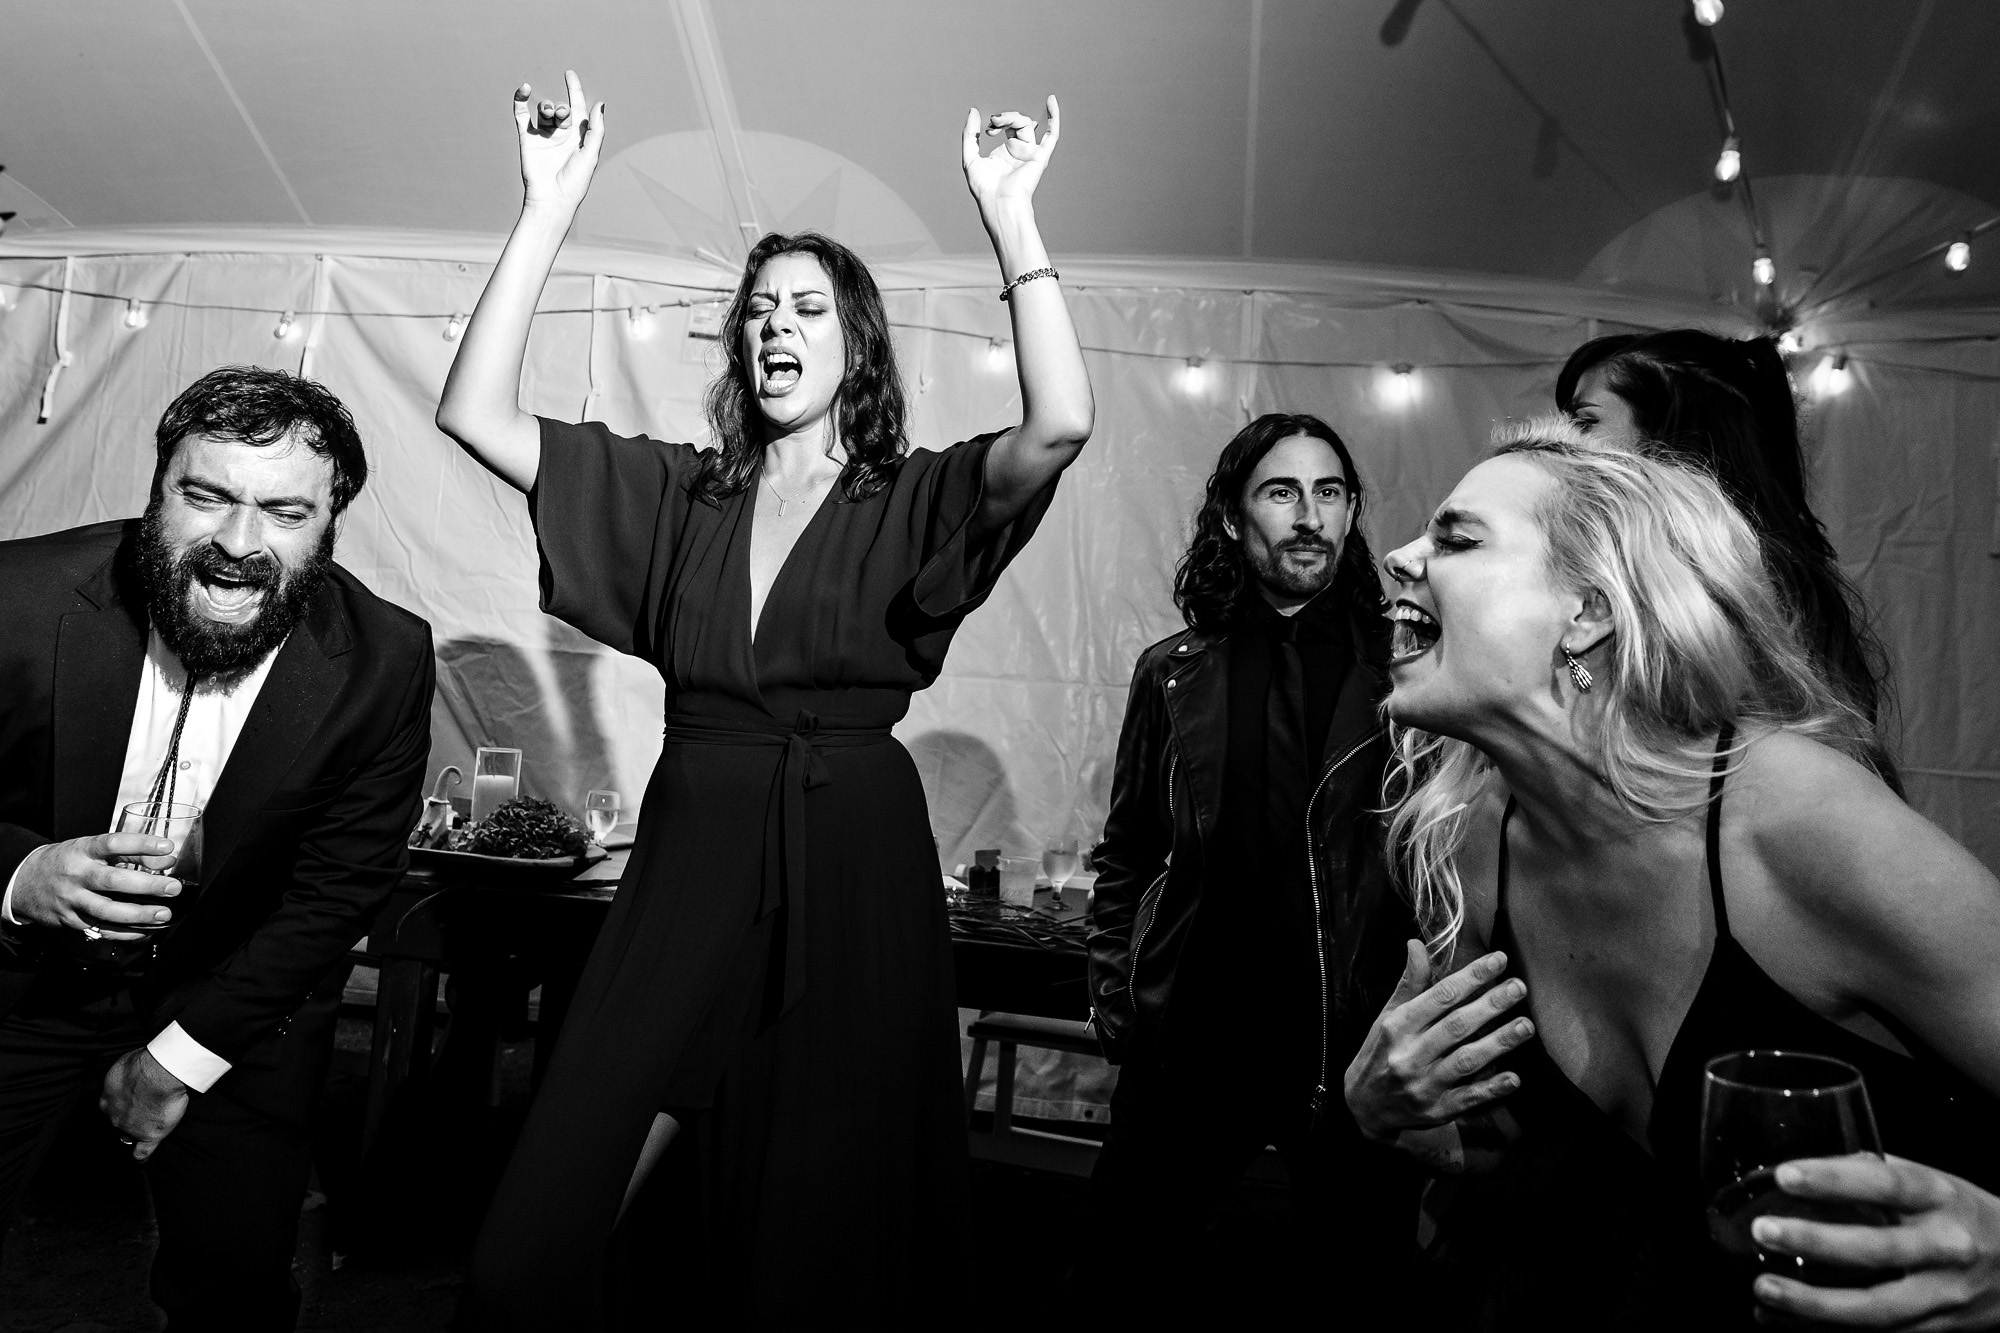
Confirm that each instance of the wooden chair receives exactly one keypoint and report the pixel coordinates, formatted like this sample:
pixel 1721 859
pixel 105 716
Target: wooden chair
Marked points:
pixel 1040 1149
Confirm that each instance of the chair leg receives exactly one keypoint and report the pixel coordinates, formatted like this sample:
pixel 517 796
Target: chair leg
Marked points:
pixel 975 1068
pixel 1003 1092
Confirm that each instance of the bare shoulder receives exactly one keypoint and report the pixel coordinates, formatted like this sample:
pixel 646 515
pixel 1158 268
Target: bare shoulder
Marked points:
pixel 1836 842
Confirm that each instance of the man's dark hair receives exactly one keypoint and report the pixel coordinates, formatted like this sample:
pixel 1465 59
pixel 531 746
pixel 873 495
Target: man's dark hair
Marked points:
pixel 1214 579
pixel 868 409
pixel 256 405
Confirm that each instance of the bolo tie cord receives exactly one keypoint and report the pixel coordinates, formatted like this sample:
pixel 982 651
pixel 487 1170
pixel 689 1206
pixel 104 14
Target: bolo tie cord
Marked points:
pixel 168 777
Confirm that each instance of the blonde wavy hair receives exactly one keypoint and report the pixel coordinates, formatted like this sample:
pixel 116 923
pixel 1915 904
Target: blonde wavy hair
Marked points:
pixel 1699 640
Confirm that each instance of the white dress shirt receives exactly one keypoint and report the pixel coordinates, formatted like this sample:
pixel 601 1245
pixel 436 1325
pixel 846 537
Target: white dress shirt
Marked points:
pixel 215 718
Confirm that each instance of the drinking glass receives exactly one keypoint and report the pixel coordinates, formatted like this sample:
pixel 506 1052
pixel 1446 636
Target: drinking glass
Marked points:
pixel 496 779
pixel 180 824
pixel 1059 862
pixel 1017 881
pixel 600 812
pixel 1761 1108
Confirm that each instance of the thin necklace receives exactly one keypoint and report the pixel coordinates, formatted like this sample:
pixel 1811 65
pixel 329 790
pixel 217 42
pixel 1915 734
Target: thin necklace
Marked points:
pixel 783 503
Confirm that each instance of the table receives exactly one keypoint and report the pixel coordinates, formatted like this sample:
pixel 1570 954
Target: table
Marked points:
pixel 496 941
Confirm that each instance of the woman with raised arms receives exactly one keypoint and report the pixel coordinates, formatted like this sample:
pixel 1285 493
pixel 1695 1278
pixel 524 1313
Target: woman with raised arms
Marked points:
pixel 768 1016
pixel 1621 771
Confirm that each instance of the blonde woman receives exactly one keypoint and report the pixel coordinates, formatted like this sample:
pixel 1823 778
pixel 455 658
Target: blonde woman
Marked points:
pixel 1620 772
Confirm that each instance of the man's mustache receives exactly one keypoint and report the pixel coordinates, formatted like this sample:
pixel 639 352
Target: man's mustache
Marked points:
pixel 258 570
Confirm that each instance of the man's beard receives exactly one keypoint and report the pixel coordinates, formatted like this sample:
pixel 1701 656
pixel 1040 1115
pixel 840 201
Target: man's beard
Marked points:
pixel 210 647
pixel 1288 580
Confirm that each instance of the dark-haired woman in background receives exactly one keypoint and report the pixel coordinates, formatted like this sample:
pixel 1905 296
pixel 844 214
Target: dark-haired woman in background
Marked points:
pixel 1243 927
pixel 1727 405
pixel 768 1016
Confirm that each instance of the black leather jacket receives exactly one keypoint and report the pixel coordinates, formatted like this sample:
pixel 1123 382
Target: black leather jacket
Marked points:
pixel 1166 797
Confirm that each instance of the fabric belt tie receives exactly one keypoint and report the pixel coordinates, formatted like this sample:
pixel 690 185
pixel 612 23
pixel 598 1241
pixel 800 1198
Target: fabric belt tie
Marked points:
pixel 803 769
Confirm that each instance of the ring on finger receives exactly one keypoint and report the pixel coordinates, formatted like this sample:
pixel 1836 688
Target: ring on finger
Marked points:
pixel 91 932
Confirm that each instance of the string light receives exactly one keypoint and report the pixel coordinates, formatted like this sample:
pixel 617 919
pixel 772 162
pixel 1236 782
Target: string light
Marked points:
pixel 135 315
pixel 1763 270
pixel 454 328
pixel 1958 255
pixel 1730 164
pixel 996 355
pixel 1397 387
pixel 1194 376
pixel 1708 13
pixel 1831 377
pixel 283 333
pixel 640 317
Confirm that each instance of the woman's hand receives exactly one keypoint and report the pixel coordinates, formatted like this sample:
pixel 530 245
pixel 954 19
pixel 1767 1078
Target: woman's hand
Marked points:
pixel 1010 172
pixel 1947 1242
pixel 1421 1063
pixel 559 147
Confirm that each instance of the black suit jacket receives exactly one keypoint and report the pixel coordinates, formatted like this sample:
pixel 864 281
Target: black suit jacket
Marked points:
pixel 303 836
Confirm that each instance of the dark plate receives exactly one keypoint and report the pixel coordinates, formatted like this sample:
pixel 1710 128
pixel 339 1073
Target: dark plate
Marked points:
pixel 504 869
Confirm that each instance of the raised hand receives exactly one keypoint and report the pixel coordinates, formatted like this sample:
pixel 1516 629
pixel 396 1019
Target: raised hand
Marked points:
pixel 559 147
pixel 1422 1061
pixel 1943 1253
pixel 1012 170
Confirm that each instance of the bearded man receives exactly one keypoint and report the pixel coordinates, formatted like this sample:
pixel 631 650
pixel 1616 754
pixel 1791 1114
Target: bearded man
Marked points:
pixel 208 654
pixel 1243 927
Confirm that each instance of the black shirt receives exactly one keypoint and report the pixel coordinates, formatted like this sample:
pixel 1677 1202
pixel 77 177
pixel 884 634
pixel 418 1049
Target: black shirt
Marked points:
pixel 1250 972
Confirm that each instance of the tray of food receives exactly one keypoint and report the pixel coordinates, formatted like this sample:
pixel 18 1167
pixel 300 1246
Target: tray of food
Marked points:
pixel 524 842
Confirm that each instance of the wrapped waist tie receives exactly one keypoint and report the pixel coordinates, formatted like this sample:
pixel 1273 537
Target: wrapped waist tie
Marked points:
pixel 785 825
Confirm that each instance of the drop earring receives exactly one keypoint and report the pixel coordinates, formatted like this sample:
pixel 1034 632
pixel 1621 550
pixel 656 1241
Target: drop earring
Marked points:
pixel 1578 672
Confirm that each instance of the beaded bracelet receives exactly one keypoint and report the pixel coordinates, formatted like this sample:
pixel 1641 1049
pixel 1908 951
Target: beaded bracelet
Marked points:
pixel 1007 292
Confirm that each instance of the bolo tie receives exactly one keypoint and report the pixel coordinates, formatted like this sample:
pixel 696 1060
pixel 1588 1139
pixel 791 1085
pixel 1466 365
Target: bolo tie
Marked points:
pixel 168 777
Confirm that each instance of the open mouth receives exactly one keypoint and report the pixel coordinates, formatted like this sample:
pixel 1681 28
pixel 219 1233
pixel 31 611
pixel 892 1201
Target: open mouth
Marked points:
pixel 781 371
pixel 231 601
pixel 1412 632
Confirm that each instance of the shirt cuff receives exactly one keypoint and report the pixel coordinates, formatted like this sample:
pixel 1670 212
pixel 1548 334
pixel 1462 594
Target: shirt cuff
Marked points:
pixel 7 898
pixel 187 1059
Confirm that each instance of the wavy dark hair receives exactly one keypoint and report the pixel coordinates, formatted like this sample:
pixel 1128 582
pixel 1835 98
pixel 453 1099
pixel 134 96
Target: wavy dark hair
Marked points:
pixel 1727 406
pixel 259 406
pixel 1214 581
pixel 868 410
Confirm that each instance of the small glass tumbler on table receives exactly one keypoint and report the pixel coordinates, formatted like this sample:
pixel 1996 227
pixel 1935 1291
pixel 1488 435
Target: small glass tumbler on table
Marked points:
pixel 180 824
pixel 1763 1108
pixel 600 812
pixel 496 779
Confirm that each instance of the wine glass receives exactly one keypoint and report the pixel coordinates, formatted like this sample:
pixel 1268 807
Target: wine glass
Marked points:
pixel 1059 861
pixel 180 824
pixel 1762 1108
pixel 600 812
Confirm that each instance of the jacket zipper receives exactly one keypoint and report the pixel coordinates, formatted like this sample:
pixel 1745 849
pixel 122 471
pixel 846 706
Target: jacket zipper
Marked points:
pixel 1319 1094
pixel 1132 972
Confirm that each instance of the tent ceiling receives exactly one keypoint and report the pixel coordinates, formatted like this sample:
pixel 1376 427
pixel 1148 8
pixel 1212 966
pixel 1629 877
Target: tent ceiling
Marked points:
pixel 1501 136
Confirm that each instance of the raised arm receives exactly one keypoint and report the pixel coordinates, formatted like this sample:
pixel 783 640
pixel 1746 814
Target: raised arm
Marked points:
pixel 1057 411
pixel 481 406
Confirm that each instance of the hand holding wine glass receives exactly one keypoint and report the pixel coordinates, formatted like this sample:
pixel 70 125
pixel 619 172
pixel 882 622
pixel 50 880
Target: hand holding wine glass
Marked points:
pixel 1942 1233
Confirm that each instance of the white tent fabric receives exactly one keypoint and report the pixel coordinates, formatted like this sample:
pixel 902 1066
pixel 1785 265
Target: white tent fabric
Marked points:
pixel 1015 742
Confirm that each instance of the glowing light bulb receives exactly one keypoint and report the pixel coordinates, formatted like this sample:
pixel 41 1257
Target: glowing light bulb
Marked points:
pixel 454 328
pixel 1730 164
pixel 1958 255
pixel 135 315
pixel 1791 342
pixel 1397 387
pixel 1194 376
pixel 1708 13
pixel 283 333
pixel 1831 377
pixel 1763 270
pixel 641 319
